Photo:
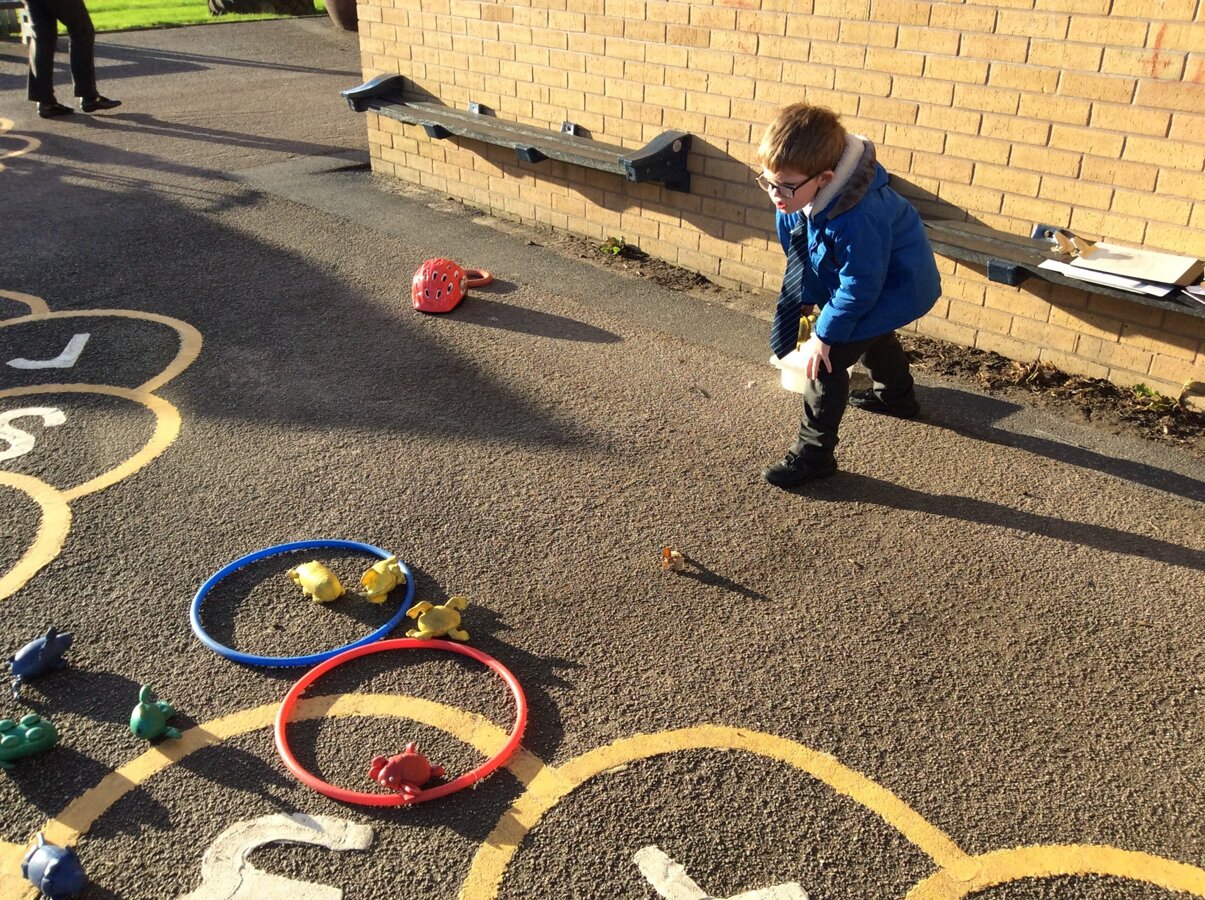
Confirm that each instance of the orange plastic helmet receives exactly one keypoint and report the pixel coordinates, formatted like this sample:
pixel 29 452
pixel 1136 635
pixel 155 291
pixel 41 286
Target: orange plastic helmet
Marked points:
pixel 438 285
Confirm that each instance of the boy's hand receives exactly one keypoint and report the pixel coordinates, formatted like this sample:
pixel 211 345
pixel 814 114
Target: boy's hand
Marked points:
pixel 815 352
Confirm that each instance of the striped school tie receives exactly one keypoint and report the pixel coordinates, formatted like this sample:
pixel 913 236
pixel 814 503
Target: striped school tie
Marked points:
pixel 784 335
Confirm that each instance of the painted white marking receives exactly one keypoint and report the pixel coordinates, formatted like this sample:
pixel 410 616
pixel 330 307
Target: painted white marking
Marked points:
pixel 670 880
pixel 226 874
pixel 64 360
pixel 21 442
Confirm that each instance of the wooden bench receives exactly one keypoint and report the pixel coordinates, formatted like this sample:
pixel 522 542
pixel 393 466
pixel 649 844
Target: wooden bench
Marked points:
pixel 14 18
pixel 662 160
pixel 1011 259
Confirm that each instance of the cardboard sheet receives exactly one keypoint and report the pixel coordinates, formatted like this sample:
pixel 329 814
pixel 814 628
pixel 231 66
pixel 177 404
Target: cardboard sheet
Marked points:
pixel 1146 265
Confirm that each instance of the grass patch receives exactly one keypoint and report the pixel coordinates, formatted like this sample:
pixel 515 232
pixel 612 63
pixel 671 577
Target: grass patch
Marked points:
pixel 126 15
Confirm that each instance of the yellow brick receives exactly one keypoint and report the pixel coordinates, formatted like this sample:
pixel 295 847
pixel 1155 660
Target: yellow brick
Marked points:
pixel 1076 192
pixel 1162 9
pixel 711 61
pixel 1007 179
pixel 961 120
pixel 757 68
pixel 900 12
pixel 1182 184
pixel 1062 55
pixel 1032 24
pixel 712 17
pixel 972 199
pixel 1168 375
pixel 964 289
pixel 1110 88
pixel 1160 342
pixel 808 74
pixel 1143 63
pixel 1126 357
pixel 1024 78
pixel 815 28
pixel 842 9
pixel 1002 48
pixel 980 317
pixel 1160 151
pixel 736 42
pixel 1018 302
pixel 876 132
pixel 872 34
pixel 709 104
pixel 1112 31
pixel 727 129
pixel 963 17
pixel 687 36
pixel 1072 364
pixel 1138 176
pixel 1090 322
pixel 893 159
pixel 1018 129
pixel 826 54
pixel 1010 348
pixel 621 48
pixel 1043 334
pixel 1176 239
pixel 895 61
pixel 936 93
pixel 1186 127
pixel 1045 107
pixel 988 99
pixel 1046 161
pixel 677 13
pixel 1188 36
pixel 760 22
pixel 977 149
pixel 782 47
pixel 928 40
pixel 914 138
pixel 1171 95
pixel 1197 219
pixel 971 71
pixel 1036 210
pixel 642 31
pixel 900 111
pixel 1087 140
pixel 863 83
pixel 944 330
pixel 1109 226
pixel 1130 119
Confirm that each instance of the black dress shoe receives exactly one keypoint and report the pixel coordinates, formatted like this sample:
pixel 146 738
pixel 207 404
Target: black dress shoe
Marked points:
pixel 52 109
pixel 97 103
pixel 871 402
pixel 793 470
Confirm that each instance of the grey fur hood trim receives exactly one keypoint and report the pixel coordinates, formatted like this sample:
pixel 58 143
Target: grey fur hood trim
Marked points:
pixel 851 179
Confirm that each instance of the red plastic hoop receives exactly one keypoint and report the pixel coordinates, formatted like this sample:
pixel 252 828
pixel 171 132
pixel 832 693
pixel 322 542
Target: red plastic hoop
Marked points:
pixel 478 277
pixel 366 799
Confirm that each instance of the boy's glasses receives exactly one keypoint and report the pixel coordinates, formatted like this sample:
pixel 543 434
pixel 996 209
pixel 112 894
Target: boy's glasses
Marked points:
pixel 786 191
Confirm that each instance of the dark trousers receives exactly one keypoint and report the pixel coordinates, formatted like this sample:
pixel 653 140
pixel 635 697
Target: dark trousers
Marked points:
pixel 44 16
pixel 826 396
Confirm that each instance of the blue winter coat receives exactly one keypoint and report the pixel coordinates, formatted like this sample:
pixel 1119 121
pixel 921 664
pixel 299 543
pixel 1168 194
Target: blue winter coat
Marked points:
pixel 872 269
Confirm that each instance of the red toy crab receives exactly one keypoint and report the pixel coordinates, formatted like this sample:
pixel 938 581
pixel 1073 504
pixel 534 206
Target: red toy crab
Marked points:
pixel 405 773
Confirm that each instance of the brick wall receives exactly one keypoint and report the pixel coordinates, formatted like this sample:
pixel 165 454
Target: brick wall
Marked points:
pixel 1080 113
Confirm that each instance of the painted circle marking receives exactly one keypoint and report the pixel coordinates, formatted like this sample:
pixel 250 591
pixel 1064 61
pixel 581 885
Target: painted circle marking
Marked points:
pixel 51 534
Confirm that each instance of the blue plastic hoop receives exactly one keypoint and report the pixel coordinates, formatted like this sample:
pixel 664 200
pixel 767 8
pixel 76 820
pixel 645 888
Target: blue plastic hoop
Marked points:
pixel 313 659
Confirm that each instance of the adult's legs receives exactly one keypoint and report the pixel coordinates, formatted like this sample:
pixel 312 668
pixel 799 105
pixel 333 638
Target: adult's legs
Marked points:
pixel 74 15
pixel 40 84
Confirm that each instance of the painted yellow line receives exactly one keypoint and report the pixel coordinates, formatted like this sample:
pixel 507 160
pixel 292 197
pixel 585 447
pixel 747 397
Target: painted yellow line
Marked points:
pixel 1004 866
pixel 493 857
pixel 190 338
pixel 36 305
pixel 52 530
pixel 167 428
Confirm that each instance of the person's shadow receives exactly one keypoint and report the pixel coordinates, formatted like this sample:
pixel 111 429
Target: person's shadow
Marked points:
pixel 976 416
pixel 851 487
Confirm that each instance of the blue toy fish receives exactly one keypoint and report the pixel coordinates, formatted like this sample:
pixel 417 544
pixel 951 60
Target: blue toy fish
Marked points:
pixel 55 871
pixel 39 656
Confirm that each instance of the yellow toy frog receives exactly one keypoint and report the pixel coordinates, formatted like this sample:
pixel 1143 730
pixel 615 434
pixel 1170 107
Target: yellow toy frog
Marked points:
pixel 436 621
pixel 381 579
pixel 319 583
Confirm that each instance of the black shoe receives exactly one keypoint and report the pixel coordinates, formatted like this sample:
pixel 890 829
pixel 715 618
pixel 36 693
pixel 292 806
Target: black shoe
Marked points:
pixel 53 109
pixel 871 402
pixel 97 103
pixel 793 469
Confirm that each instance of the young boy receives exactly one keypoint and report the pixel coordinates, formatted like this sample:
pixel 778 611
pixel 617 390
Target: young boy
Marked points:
pixel 856 249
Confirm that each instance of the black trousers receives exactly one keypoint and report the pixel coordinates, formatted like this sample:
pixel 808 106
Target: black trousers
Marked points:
pixel 826 396
pixel 44 16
